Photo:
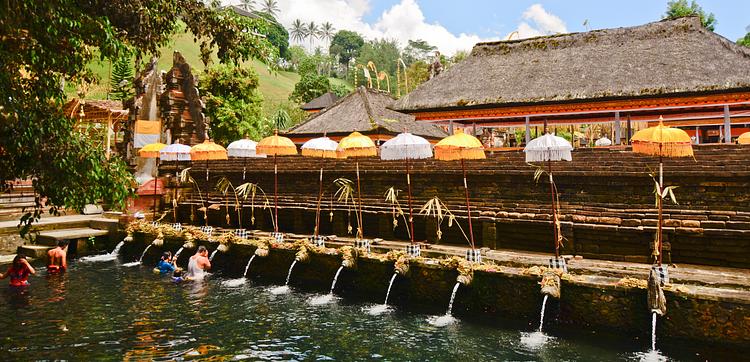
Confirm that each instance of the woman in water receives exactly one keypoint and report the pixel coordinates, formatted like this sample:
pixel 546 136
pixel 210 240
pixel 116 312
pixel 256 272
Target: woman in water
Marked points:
pixel 166 264
pixel 19 271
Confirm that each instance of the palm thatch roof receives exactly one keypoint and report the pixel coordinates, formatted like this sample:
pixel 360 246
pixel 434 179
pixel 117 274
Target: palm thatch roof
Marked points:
pixel 321 102
pixel 667 57
pixel 364 110
pixel 95 109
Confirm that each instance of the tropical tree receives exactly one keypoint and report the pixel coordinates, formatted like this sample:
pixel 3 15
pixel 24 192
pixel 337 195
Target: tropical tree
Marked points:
pixel 122 78
pixel 346 45
pixel 270 7
pixel 298 31
pixel 680 8
pixel 417 50
pixel 248 5
pixel 276 34
pixel 745 40
pixel 327 32
pixel 47 43
pixel 312 32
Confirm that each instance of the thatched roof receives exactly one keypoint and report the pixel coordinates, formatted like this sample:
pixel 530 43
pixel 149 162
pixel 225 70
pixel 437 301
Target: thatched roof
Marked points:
pixel 95 109
pixel 661 58
pixel 364 110
pixel 321 102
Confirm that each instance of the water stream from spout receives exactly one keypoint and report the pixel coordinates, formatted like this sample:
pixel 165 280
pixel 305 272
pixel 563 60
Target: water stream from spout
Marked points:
pixel 327 298
pixel 453 297
pixel 105 257
pixel 335 278
pixel 541 320
pixel 177 254
pixel 285 288
pixel 447 318
pixel 140 260
pixel 653 331
pixel 289 274
pixel 380 308
pixel 213 254
pixel 247 267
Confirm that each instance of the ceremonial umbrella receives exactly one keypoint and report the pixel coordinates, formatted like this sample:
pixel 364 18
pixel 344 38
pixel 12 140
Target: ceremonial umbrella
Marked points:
pixel 461 146
pixel 277 146
pixel 152 150
pixel 357 145
pixel 323 147
pixel 662 141
pixel 604 141
pixel 744 139
pixel 244 148
pixel 406 146
pixel 208 150
pixel 175 152
pixel 550 148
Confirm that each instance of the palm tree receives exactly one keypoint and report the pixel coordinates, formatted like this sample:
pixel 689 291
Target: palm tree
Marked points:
pixel 327 31
pixel 298 31
pixel 312 32
pixel 271 7
pixel 248 5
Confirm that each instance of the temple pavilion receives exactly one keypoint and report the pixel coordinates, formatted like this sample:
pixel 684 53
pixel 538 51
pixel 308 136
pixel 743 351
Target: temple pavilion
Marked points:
pixel 692 77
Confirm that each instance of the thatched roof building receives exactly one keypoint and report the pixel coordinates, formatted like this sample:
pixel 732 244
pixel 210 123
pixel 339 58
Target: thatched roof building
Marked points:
pixel 320 102
pixel 365 110
pixel 645 71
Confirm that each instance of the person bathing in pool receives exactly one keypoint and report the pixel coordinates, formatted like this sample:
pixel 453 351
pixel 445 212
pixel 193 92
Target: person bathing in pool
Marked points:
pixel 57 258
pixel 19 271
pixel 166 264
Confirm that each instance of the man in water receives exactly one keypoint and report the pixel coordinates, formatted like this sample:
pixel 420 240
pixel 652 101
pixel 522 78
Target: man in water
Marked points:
pixel 57 258
pixel 198 264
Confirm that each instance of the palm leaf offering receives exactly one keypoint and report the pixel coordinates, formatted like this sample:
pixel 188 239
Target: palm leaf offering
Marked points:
pixel 249 189
pixel 437 209
pixel 391 196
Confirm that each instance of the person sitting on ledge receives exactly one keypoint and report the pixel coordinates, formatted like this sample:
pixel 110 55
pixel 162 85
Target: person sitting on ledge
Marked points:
pixel 19 271
pixel 198 264
pixel 57 258
pixel 166 264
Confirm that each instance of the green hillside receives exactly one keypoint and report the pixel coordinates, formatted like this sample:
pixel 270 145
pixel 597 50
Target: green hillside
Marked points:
pixel 275 86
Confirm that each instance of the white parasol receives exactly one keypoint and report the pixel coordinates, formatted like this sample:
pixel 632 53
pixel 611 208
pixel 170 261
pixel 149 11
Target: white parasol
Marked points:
pixel 406 146
pixel 175 152
pixel 244 148
pixel 322 147
pixel 604 141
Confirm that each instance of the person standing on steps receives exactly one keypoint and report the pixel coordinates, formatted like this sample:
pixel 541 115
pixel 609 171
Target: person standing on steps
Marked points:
pixel 58 258
pixel 19 271
pixel 198 264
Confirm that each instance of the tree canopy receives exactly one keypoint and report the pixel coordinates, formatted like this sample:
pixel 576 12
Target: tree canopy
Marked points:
pixel 346 45
pixel 680 8
pixel 44 44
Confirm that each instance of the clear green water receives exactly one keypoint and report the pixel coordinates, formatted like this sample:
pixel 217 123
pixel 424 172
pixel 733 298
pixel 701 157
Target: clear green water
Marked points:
pixel 106 311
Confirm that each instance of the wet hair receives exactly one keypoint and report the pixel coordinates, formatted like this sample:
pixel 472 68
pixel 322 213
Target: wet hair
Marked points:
pixel 202 249
pixel 17 260
pixel 166 255
pixel 62 243
pixel 177 273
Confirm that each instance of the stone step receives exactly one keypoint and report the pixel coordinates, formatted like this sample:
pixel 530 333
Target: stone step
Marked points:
pixel 34 251
pixel 52 237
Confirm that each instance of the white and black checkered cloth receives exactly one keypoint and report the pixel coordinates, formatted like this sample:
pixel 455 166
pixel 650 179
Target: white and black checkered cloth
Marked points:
pixel 661 273
pixel 279 237
pixel 363 244
pixel 319 240
pixel 208 230
pixel 177 226
pixel 413 250
pixel 474 255
pixel 558 263
pixel 155 223
pixel 240 233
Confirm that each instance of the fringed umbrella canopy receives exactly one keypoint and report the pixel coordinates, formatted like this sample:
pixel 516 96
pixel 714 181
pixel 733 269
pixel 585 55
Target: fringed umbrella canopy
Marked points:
pixel 208 150
pixel 151 150
pixel 244 148
pixel 604 141
pixel 459 146
pixel 663 141
pixel 276 145
pixel 356 145
pixel 744 139
pixel 323 147
pixel 405 146
pixel 548 148
pixel 175 152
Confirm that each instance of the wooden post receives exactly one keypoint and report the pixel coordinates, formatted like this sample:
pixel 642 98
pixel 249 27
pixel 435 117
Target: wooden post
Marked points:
pixel 450 127
pixel 618 132
pixel 697 135
pixel 630 129
pixel 528 131
pixel 727 125
pixel 109 134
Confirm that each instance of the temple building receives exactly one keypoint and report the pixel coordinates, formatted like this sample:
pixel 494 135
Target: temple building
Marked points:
pixel 625 77
pixel 365 110
pixel 318 104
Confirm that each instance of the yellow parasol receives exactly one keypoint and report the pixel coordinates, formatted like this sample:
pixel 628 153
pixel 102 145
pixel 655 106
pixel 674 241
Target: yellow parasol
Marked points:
pixel 461 146
pixel 208 150
pixel 151 150
pixel 357 145
pixel 744 139
pixel 662 141
pixel 277 146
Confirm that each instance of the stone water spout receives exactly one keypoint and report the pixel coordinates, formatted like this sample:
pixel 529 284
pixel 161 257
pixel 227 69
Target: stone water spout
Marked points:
pixel 657 303
pixel 302 255
pixel 402 266
pixel 159 241
pixel 349 257
pixel 550 284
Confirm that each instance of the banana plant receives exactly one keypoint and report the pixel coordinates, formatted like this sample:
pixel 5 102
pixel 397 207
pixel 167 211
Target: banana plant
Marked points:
pixel 251 190
pixel 437 209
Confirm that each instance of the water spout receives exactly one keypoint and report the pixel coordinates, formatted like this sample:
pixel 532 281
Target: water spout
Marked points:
pixel 325 299
pixel 447 318
pixel 213 254
pixel 653 331
pixel 289 274
pixel 247 267
pixel 335 278
pixel 541 320
pixel 381 308
pixel 177 254
pixel 285 288
pixel 140 260
pixel 105 257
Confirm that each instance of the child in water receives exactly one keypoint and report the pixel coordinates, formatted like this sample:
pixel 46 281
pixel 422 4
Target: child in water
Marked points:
pixel 177 276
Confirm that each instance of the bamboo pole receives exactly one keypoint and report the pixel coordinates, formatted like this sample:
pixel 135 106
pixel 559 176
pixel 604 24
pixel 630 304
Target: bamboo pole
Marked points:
pixel 320 199
pixel 468 206
pixel 275 195
pixel 411 211
pixel 360 231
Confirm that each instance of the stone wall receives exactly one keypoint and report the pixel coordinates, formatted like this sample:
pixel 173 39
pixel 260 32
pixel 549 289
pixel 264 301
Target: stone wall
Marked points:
pixel 605 195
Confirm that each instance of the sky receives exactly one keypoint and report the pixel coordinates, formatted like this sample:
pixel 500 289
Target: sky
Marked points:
pixel 453 25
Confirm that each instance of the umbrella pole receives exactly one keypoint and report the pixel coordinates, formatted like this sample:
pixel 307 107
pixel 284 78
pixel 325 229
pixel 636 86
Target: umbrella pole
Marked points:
pixel 275 195
pixel 411 212
pixel 320 198
pixel 468 206
pixel 156 178
pixel 244 167
pixel 360 232
pixel 659 197
pixel 206 169
pixel 554 210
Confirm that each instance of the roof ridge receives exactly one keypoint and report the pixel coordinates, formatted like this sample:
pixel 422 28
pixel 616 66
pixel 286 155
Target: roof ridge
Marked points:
pixel 363 93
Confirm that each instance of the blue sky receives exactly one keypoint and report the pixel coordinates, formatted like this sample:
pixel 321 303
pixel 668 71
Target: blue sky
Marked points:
pixel 488 18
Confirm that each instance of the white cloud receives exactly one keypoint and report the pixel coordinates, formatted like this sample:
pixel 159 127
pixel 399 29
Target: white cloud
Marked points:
pixel 537 22
pixel 404 21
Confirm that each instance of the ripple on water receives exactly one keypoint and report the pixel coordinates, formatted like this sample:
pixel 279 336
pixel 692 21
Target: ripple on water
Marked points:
pixel 535 340
pixel 649 356
pixel 321 299
pixel 284 289
pixel 377 309
pixel 233 283
pixel 132 264
pixel 442 320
